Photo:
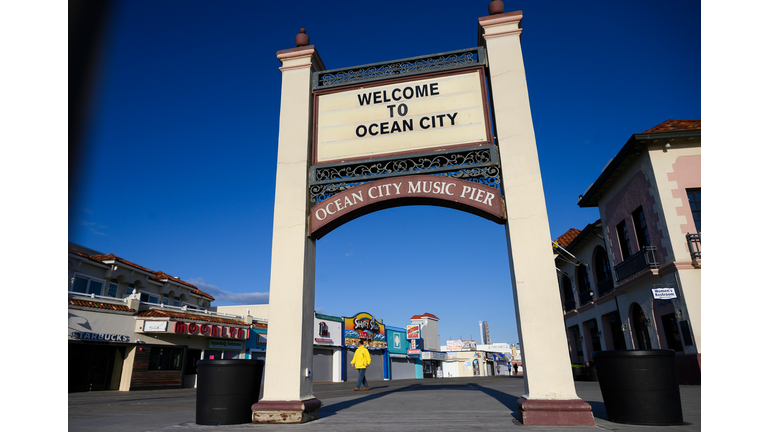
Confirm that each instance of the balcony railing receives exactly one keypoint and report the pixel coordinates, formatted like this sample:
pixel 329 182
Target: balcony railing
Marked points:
pixel 605 286
pixel 585 297
pixel 569 305
pixel 94 296
pixel 645 259
pixel 694 245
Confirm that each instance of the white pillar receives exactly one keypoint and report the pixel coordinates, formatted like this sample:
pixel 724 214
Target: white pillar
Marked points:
pixel 541 330
pixel 292 282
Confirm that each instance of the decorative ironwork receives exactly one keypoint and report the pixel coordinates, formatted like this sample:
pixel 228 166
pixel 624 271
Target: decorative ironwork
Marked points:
pixel 694 245
pixel 479 165
pixel 644 259
pixel 605 286
pixel 585 297
pixel 404 67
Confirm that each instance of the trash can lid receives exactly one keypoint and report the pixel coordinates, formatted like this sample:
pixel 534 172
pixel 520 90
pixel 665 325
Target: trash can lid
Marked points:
pixel 634 353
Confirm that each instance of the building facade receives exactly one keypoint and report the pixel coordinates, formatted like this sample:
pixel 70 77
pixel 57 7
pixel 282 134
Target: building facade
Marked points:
pixel 131 328
pixel 632 279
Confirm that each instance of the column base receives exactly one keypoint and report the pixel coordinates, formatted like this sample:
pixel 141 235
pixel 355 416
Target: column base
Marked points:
pixel 286 412
pixel 544 412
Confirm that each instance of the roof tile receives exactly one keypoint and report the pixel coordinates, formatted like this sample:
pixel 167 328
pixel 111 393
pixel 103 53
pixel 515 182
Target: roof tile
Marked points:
pixel 676 125
pixel 99 305
pixel 566 239
pixel 156 313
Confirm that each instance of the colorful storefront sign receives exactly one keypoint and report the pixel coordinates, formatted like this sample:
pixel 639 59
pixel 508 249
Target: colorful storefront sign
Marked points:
pixel 414 331
pixel 364 326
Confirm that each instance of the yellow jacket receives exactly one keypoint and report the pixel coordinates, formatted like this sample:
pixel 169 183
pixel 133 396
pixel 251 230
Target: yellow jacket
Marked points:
pixel 362 358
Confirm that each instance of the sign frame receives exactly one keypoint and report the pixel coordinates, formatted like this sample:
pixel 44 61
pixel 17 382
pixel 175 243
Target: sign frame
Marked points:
pixel 479 69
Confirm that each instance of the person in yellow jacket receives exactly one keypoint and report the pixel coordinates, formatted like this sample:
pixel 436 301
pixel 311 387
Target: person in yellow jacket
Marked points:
pixel 360 361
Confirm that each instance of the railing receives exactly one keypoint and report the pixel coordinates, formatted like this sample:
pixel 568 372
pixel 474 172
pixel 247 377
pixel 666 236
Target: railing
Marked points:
pixel 604 286
pixel 94 296
pixel 185 308
pixel 694 245
pixel 569 305
pixel 636 263
pixel 158 305
pixel 585 297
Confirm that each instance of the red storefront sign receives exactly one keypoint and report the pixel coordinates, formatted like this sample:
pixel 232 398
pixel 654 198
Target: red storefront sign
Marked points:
pixel 209 330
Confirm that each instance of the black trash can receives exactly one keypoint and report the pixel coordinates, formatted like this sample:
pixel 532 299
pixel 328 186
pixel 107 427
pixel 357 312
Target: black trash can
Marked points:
pixel 226 389
pixel 639 386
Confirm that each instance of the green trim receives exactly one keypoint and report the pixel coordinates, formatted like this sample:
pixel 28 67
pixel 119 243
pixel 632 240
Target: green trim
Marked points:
pixel 329 318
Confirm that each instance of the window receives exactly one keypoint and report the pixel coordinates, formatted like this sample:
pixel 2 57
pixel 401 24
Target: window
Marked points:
pixel 626 248
pixel 602 267
pixel 176 301
pixel 86 285
pixel 641 228
pixel 568 302
pixel 165 358
pixel 694 200
pixel 166 299
pixel 150 298
pixel 112 291
pixel 129 289
pixel 585 290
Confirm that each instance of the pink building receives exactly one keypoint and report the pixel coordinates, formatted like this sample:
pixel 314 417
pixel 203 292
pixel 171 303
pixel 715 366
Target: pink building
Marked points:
pixel 632 279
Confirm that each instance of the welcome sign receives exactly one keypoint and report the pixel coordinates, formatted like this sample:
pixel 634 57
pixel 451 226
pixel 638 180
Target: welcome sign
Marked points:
pixel 430 113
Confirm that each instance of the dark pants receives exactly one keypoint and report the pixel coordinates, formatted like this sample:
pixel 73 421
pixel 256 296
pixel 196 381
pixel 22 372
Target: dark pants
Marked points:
pixel 361 381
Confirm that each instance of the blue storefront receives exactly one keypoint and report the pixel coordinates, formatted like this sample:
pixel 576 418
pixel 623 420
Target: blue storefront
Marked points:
pixel 400 364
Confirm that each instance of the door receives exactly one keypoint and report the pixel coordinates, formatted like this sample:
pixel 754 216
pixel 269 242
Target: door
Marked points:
pixel 92 367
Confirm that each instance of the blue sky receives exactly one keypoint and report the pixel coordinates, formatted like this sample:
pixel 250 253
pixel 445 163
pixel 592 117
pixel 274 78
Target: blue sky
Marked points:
pixel 181 144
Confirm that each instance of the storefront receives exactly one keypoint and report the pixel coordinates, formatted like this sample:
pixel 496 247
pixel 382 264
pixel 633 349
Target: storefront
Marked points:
pixel 364 326
pixel 97 345
pixel 256 345
pixel 432 362
pixel 401 366
pixel 173 342
pixel 111 348
pixel 327 353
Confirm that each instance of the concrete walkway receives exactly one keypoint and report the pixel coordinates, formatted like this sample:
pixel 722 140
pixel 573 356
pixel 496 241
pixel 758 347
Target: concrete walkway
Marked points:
pixel 448 404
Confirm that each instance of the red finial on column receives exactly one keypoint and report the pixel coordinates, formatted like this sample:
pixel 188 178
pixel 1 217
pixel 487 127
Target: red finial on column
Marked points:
pixel 302 39
pixel 496 7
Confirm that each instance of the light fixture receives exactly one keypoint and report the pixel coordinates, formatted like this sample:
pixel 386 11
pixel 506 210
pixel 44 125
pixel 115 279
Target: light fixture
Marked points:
pixel 599 333
pixel 679 314
pixel 667 147
pixel 623 327
pixel 581 338
pixel 648 322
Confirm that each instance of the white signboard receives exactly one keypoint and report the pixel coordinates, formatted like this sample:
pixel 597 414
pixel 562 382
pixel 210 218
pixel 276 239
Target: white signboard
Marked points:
pixel 155 326
pixel 434 355
pixel 461 345
pixel 402 117
pixel 663 293
pixel 327 332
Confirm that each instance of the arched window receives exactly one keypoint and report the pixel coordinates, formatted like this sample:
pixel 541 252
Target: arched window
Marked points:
pixel 585 289
pixel 569 303
pixel 602 271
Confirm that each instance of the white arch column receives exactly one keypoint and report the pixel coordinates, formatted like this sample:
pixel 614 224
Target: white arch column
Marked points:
pixel 287 383
pixel 550 395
